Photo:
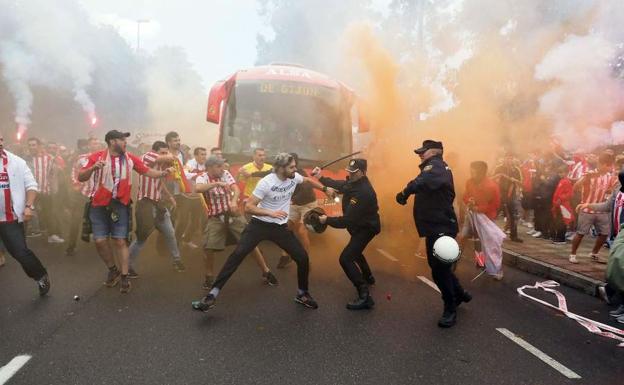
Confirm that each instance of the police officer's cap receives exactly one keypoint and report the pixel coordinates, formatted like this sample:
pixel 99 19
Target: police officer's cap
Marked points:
pixel 357 164
pixel 428 145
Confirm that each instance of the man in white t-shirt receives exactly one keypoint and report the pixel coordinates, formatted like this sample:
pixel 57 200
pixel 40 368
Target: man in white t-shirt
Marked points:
pixel 269 205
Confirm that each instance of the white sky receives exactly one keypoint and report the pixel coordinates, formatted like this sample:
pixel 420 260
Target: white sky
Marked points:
pixel 219 35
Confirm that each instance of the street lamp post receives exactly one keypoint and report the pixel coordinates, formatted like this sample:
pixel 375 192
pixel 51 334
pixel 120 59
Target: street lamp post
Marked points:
pixel 139 22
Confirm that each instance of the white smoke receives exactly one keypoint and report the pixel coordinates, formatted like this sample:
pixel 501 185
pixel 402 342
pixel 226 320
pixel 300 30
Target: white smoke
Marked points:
pixel 45 46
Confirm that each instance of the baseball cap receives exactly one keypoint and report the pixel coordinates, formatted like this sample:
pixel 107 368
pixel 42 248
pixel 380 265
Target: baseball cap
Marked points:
pixel 356 165
pixel 428 145
pixel 114 134
pixel 214 160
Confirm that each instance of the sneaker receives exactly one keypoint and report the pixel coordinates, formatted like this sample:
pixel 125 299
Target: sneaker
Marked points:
pixel 208 281
pixel 536 234
pixel 33 234
pixel 284 261
pixel 125 286
pixel 498 276
pixel 179 266
pixel 620 319
pixel 559 243
pixel 44 285
pixel 132 274
pixel 270 279
pixel 190 245
pixel 361 302
pixel 306 300
pixel 617 312
pixel 448 319
pixel 572 259
pixel 55 239
pixel 204 304
pixel 598 259
pixel 529 225
pixel 112 278
pixel 531 232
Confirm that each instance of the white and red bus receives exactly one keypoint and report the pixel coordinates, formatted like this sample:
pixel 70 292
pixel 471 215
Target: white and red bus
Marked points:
pixel 285 108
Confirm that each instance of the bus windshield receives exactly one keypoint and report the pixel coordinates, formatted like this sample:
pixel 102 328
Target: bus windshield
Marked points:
pixel 280 116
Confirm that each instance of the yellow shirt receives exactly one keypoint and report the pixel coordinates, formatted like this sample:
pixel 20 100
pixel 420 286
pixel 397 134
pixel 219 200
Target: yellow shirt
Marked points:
pixel 252 181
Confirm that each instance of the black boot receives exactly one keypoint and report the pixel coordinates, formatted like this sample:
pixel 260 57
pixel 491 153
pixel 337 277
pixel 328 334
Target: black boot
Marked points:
pixel 449 317
pixel 363 300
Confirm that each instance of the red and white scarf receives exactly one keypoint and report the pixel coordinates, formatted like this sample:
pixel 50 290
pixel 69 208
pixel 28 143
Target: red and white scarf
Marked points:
pixel 106 186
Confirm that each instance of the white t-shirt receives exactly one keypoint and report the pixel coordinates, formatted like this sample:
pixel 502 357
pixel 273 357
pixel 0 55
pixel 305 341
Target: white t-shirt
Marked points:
pixel 275 194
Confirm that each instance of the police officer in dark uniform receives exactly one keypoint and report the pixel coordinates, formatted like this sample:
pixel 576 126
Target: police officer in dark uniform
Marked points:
pixel 434 216
pixel 361 219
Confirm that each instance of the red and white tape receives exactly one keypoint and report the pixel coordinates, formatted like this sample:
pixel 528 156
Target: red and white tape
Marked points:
pixel 591 325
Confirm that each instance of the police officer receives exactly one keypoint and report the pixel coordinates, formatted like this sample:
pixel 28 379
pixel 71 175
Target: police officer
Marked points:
pixel 434 216
pixel 361 219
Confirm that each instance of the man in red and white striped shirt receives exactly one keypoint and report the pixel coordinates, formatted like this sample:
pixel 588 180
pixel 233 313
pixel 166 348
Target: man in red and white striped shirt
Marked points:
pixel 151 213
pixel 595 187
pixel 221 194
pixel 79 194
pixel 44 167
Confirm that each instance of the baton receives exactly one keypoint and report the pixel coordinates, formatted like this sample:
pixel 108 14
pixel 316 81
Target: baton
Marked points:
pixel 339 159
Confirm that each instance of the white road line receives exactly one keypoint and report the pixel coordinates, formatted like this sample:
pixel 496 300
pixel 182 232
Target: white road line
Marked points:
pixel 9 370
pixel 429 283
pixel 387 255
pixel 539 354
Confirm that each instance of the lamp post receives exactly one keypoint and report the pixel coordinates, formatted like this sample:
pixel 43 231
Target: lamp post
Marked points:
pixel 139 22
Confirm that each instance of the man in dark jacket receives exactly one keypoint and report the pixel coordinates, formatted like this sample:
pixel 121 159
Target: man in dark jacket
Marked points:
pixel 361 219
pixel 434 216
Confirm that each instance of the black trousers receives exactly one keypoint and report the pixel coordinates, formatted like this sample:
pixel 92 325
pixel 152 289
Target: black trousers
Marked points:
pixel 353 261
pixel 77 203
pixel 257 231
pixel 14 239
pixel 509 205
pixel 443 275
pixel 543 218
pixel 558 227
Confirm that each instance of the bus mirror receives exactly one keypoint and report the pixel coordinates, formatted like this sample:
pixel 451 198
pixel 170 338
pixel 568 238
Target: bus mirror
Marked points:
pixel 217 95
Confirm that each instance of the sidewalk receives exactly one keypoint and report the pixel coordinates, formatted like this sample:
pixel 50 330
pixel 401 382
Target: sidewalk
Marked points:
pixel 543 258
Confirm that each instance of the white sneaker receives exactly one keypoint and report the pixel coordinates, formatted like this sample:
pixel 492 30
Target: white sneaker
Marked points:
pixel 529 225
pixel 531 232
pixel 55 239
pixel 191 245
pixel 620 319
pixel 572 259
pixel 537 234
pixel 498 277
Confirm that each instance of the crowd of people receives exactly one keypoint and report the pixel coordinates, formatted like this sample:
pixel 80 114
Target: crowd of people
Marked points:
pixel 187 196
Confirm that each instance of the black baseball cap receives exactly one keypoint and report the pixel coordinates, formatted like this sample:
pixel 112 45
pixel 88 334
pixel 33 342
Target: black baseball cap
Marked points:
pixel 114 134
pixel 356 165
pixel 428 145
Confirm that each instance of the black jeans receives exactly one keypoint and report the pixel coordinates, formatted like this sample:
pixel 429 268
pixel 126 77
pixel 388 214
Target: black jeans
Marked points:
pixel 77 203
pixel 14 239
pixel 353 261
pixel 558 227
pixel 443 276
pixel 509 205
pixel 257 231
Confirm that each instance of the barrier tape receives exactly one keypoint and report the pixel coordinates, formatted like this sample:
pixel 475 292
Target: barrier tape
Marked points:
pixel 591 325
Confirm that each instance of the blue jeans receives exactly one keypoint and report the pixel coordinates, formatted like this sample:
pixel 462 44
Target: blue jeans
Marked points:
pixel 103 225
pixel 148 219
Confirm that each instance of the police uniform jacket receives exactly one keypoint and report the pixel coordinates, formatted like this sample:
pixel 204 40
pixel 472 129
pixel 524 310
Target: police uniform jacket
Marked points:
pixel 359 205
pixel 435 192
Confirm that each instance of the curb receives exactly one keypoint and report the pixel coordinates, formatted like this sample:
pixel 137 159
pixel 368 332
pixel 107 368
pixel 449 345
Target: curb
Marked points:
pixel 565 277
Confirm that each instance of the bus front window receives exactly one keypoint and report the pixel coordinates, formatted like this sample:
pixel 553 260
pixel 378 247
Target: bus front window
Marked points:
pixel 310 120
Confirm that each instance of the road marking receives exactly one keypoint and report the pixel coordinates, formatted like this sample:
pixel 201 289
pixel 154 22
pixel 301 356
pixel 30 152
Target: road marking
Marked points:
pixel 539 354
pixel 387 255
pixel 429 283
pixel 9 370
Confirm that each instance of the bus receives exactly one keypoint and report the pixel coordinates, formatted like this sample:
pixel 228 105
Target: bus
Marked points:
pixel 285 108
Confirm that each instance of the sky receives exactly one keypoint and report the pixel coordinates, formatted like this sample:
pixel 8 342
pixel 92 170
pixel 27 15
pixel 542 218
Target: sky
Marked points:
pixel 219 36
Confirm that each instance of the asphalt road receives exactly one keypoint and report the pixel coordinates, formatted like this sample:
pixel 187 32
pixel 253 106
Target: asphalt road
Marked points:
pixel 257 335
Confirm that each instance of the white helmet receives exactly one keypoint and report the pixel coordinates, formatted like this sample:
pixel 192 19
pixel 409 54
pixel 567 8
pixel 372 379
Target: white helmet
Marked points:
pixel 446 249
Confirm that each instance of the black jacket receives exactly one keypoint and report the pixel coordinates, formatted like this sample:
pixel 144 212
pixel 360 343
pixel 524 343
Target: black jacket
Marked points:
pixel 435 192
pixel 359 205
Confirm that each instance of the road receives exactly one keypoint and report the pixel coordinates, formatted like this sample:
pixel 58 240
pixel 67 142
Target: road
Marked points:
pixel 257 335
